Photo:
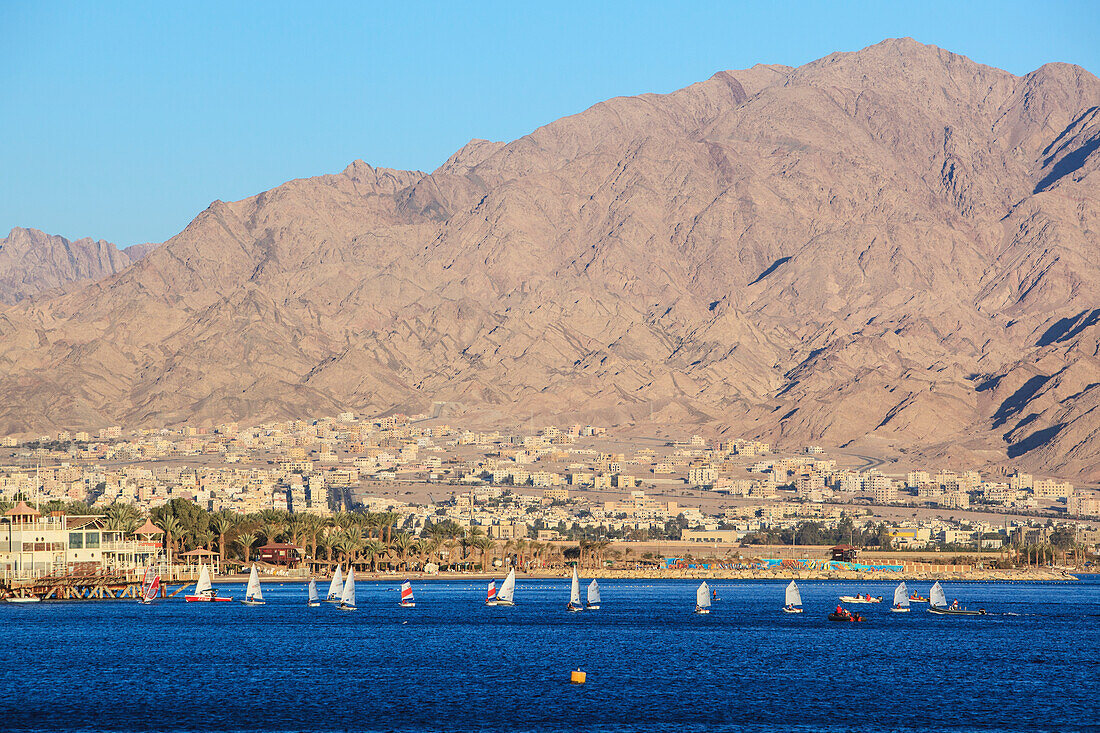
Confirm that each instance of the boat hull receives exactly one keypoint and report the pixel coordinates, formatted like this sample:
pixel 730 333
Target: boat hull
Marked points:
pixel 499 603
pixel 343 607
pixel 314 604
pixel 207 599
pixel 702 611
pixel 407 604
pixel 254 603
pixel 792 610
pixel 575 609
pixel 851 618
pixel 592 608
pixel 24 599
pixel 899 610
pixel 955 612
pixel 858 599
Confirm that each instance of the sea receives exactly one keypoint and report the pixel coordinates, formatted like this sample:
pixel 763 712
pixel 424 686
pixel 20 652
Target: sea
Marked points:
pixel 651 664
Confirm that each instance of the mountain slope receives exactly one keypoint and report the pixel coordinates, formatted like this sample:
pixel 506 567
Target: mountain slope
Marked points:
pixel 33 262
pixel 869 250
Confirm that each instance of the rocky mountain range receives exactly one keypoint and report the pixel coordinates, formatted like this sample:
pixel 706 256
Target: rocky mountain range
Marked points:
pixel 895 249
pixel 33 262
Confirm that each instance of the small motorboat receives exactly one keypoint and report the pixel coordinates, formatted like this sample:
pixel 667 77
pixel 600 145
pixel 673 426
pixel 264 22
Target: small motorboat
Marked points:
pixel 23 599
pixel 844 615
pixel 915 597
pixel 861 599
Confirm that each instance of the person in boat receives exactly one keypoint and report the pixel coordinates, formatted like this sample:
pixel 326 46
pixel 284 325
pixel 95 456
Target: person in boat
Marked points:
pixel 955 604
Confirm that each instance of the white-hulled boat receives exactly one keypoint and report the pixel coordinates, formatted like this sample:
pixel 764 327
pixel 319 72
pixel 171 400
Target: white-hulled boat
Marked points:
pixel 335 587
pixel 593 596
pixel 347 598
pixel 407 600
pixel 204 590
pixel 792 599
pixel 937 603
pixel 314 599
pixel 575 593
pixel 23 599
pixel 253 595
pixel 865 598
pixel 702 598
pixel 506 595
pixel 901 599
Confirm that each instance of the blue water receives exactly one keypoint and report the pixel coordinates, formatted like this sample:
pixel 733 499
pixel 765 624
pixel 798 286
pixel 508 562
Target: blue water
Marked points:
pixel 451 664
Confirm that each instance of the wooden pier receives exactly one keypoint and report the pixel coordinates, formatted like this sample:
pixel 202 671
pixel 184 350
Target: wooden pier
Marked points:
pixel 81 587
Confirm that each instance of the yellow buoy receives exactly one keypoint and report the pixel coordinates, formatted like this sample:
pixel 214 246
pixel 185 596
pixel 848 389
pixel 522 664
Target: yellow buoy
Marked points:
pixel 577 677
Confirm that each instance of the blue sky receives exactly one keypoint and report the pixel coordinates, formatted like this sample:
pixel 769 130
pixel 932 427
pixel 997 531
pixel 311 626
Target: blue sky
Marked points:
pixel 122 120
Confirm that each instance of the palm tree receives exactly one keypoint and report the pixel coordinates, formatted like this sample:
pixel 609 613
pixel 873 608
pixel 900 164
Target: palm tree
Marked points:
pixel 246 541
pixel 386 522
pixel 520 545
pixel 172 529
pixel 429 547
pixel 270 531
pixel 402 543
pixel 222 524
pixel 312 525
pixel 295 525
pixel 484 545
pixel 373 549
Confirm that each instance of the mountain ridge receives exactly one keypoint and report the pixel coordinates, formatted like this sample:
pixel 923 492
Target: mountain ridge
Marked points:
pixel 867 249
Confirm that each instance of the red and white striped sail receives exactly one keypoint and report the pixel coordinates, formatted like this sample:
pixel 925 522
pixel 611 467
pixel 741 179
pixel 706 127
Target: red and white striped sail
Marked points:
pixel 492 590
pixel 153 589
pixel 406 592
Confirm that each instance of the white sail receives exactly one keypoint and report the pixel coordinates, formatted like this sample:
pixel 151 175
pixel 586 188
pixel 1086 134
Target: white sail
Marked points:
pixel 575 589
pixel 337 584
pixel 347 598
pixel 508 587
pixel 901 596
pixel 253 591
pixel 702 596
pixel 593 593
pixel 313 590
pixel 793 597
pixel 204 585
pixel 937 597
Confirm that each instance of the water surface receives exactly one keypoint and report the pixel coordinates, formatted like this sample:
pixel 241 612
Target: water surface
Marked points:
pixel 451 664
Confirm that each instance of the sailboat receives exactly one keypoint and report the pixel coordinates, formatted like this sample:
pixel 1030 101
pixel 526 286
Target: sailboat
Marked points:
pixel 407 600
pixel 593 596
pixel 347 597
pixel 792 601
pixel 314 599
pixel 505 597
pixel 937 603
pixel 901 599
pixel 575 593
pixel 150 586
pixel 491 595
pixel 253 596
pixel 204 589
pixel 702 598
pixel 335 587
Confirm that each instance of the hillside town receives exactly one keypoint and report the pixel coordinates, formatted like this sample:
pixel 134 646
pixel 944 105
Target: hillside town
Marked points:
pixel 557 485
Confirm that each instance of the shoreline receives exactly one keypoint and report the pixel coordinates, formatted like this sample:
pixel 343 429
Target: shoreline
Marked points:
pixel 976 576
